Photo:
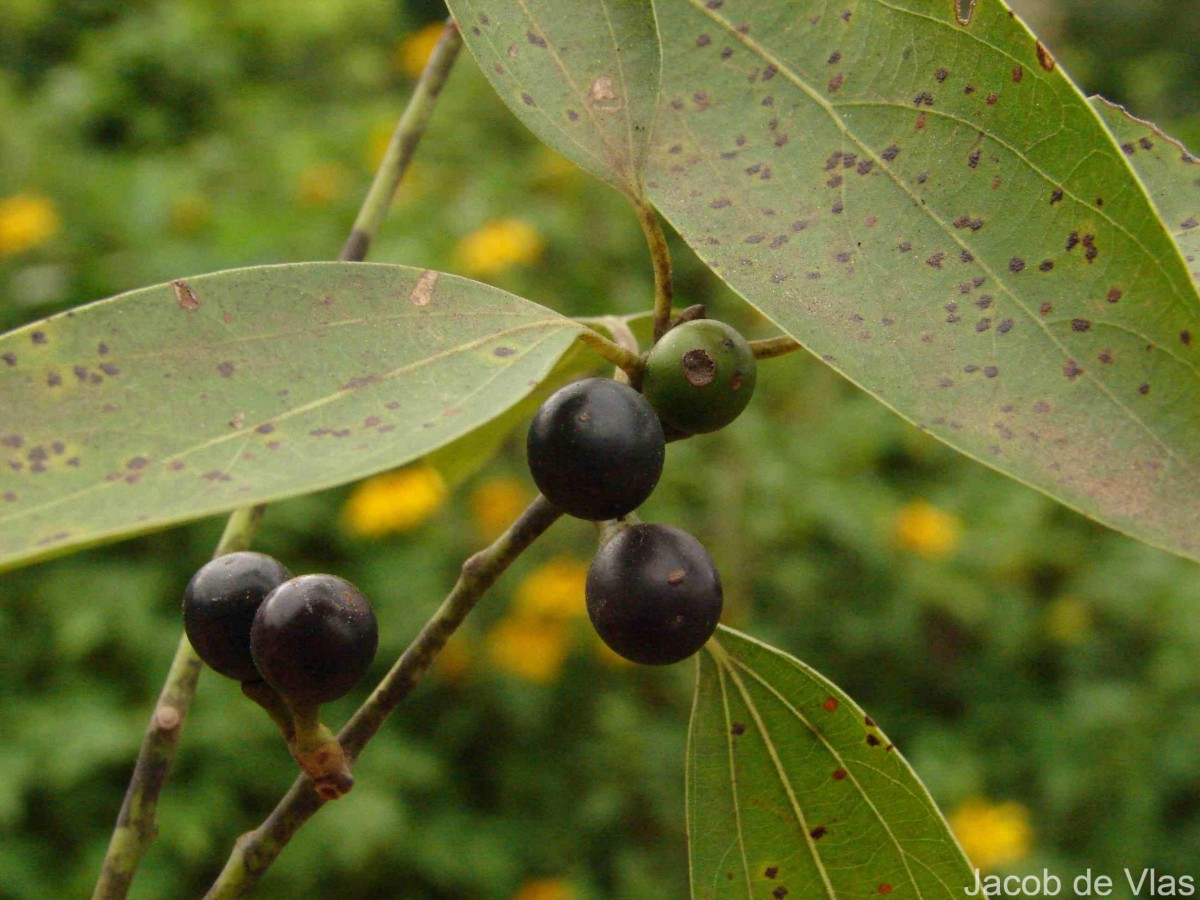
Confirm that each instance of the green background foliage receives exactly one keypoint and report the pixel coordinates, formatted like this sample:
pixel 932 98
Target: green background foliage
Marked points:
pixel 1047 661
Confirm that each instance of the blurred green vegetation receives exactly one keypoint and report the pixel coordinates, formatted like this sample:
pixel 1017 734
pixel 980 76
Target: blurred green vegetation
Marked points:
pixel 1014 651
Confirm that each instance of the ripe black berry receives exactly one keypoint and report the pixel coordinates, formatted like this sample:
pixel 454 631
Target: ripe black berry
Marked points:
pixel 313 638
pixel 653 594
pixel 219 605
pixel 596 449
pixel 700 376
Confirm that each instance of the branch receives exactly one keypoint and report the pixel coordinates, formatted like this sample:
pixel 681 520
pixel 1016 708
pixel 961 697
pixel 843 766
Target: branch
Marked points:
pixel 255 851
pixel 136 825
pixel 409 131
pixel 628 362
pixel 660 258
pixel 776 346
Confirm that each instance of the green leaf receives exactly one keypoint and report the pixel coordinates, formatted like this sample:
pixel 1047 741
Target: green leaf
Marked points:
pixel 792 790
pixel 936 211
pixel 582 75
pixel 1170 173
pixel 188 399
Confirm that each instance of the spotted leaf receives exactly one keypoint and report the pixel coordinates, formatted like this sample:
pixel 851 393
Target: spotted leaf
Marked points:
pixel 583 75
pixel 793 791
pixel 931 206
pixel 200 396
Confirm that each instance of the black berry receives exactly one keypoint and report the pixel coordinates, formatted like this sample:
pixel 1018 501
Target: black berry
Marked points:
pixel 219 605
pixel 700 376
pixel 313 638
pixel 596 449
pixel 653 594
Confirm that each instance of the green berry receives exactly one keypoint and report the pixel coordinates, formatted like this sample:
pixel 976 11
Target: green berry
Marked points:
pixel 700 376
pixel 596 449
pixel 219 605
pixel 653 594
pixel 313 638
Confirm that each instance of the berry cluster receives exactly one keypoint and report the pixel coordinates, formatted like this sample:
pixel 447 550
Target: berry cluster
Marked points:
pixel 596 450
pixel 294 643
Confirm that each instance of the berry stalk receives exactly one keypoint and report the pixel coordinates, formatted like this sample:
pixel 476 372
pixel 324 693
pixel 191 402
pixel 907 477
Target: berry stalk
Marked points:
pixel 255 851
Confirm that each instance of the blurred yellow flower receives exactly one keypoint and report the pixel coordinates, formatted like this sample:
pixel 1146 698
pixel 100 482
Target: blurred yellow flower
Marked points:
pixel 498 246
pixel 554 591
pixel 495 503
pixel 552 170
pixel 926 530
pixel 189 214
pixel 545 889
pixel 531 649
pixel 394 501
pixel 413 52
pixel 993 834
pixel 1068 620
pixel 26 221
pixel 321 184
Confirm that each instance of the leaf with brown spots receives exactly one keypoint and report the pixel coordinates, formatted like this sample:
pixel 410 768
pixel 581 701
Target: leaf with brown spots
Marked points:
pixel 1013 181
pixel 136 412
pixel 1169 172
pixel 807 795
pixel 581 74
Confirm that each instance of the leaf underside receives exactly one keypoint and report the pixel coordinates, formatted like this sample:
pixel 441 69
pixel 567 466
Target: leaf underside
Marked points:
pixel 583 76
pixel 936 211
pixel 793 791
pixel 201 396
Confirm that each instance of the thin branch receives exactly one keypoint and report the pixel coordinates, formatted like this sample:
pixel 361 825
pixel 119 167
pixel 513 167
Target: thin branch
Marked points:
pixel 776 346
pixel 629 363
pixel 660 258
pixel 137 824
pixel 255 851
pixel 409 131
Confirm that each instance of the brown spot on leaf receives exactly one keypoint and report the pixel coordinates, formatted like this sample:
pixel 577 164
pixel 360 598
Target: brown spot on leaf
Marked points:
pixel 1017 73
pixel 225 369
pixel 992 99
pixel 422 291
pixel 1185 338
pixel 835 82
pixel 527 99
pixel 819 832
pixel 1016 264
pixel 603 96
pixel 185 296
pixel 1080 325
pixel 872 741
pixel 1072 370
pixel 1045 60
pixel 737 728
pixel 839 774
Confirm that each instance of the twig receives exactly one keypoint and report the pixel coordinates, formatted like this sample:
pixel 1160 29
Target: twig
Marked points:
pixel 137 824
pixel 629 363
pixel 660 258
pixel 776 346
pixel 409 131
pixel 256 850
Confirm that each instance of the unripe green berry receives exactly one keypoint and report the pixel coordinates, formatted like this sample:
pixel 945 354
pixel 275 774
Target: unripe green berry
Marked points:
pixel 700 376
